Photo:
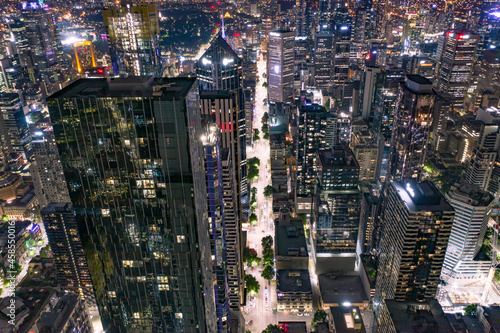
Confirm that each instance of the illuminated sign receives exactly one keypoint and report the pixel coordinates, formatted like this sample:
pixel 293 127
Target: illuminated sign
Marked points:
pixel 344 28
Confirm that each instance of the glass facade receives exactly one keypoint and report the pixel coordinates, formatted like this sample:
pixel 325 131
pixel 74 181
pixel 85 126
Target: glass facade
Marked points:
pixel 133 160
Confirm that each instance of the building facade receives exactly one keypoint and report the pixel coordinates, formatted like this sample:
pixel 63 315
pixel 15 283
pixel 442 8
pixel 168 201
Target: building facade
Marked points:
pixel 281 60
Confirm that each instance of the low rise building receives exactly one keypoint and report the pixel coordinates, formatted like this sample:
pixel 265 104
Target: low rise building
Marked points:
pixel 294 293
pixel 291 247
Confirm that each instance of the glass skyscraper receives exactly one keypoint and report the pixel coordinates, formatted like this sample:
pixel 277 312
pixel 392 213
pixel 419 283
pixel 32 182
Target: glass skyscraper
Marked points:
pixel 133 158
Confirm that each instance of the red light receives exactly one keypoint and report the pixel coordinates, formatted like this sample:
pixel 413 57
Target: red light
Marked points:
pixel 85 49
pixel 237 34
pixel 78 50
pixel 214 30
pixel 460 36
pixel 107 67
pixel 100 71
pixel 213 6
pixel 218 24
pixel 218 2
pixel 286 329
pixel 448 35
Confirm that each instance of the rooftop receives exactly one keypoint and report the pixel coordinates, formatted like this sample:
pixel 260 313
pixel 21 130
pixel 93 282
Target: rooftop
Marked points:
pixel 347 319
pixel 132 86
pixel 422 196
pixel 297 281
pixel 341 289
pixel 407 319
pixel 290 239
pixel 338 156
pixel 470 194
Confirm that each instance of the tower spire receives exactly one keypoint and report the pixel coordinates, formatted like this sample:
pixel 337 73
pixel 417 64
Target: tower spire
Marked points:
pixel 223 34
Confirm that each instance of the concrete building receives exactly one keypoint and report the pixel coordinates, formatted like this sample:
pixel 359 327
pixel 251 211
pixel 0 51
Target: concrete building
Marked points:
pixel 281 55
pixel 294 293
pixel 291 247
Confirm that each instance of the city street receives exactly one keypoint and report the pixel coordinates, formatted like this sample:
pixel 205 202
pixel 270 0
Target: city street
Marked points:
pixel 261 309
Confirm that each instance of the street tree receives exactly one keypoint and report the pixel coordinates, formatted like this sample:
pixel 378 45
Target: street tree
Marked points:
pixel 268 191
pixel 267 242
pixel 268 273
pixel 253 219
pixel 272 329
pixel 252 284
pixel 250 257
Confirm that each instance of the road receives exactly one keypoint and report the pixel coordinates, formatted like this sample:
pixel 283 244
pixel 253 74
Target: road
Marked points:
pixel 259 310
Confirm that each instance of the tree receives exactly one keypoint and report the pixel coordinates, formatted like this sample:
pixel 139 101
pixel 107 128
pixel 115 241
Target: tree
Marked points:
pixel 470 309
pixel 268 256
pixel 250 256
pixel 265 117
pixel 272 329
pixel 254 191
pixel 264 84
pixel 253 173
pixel 252 284
pixel 254 161
pixel 45 251
pixel 265 136
pixel 268 191
pixel 320 316
pixel 267 242
pixel 268 273
pixel 256 135
pixel 253 219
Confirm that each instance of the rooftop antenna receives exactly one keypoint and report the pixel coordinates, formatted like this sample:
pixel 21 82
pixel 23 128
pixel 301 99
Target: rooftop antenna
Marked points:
pixel 223 34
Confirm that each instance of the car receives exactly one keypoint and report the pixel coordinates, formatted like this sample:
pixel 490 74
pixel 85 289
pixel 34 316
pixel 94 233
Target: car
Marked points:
pixel 250 322
pixel 300 314
pixel 307 314
pixel 263 231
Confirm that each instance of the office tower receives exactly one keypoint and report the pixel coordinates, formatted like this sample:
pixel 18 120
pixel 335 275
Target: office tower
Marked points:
pixel 220 108
pixel 14 132
pixel 463 263
pixel 83 56
pixel 369 88
pixel 442 108
pixel 314 126
pixel 323 58
pixel 341 52
pixel 412 125
pixel 45 48
pixel 135 171
pixel 416 222
pixel 336 236
pixel 64 239
pixel 281 58
pixel 133 36
pixel 220 68
pixel 366 150
pixel 46 168
pixel 216 216
pixel 484 156
pixel 456 54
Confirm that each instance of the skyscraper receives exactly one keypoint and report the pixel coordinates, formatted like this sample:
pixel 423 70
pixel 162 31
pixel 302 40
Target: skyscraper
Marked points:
pixel 484 156
pixel 323 58
pixel 456 54
pixel 336 236
pixel 133 36
pixel 417 223
pixel 46 168
pixel 462 265
pixel 220 69
pixel 62 231
pixel 219 107
pixel 342 52
pixel 135 171
pixel 315 123
pixel 14 132
pixel 412 125
pixel 281 55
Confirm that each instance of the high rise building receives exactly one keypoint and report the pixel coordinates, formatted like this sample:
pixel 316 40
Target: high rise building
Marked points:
pixel 484 156
pixel 323 58
pixel 281 55
pixel 456 54
pixel 46 168
pixel 44 44
pixel 133 36
pixel 369 88
pixel 220 69
pixel 135 171
pixel 315 123
pixel 341 52
pixel 83 56
pixel 416 222
pixel 217 224
pixel 412 125
pixel 219 107
pixel 64 239
pixel 14 131
pixel 462 262
pixel 337 228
